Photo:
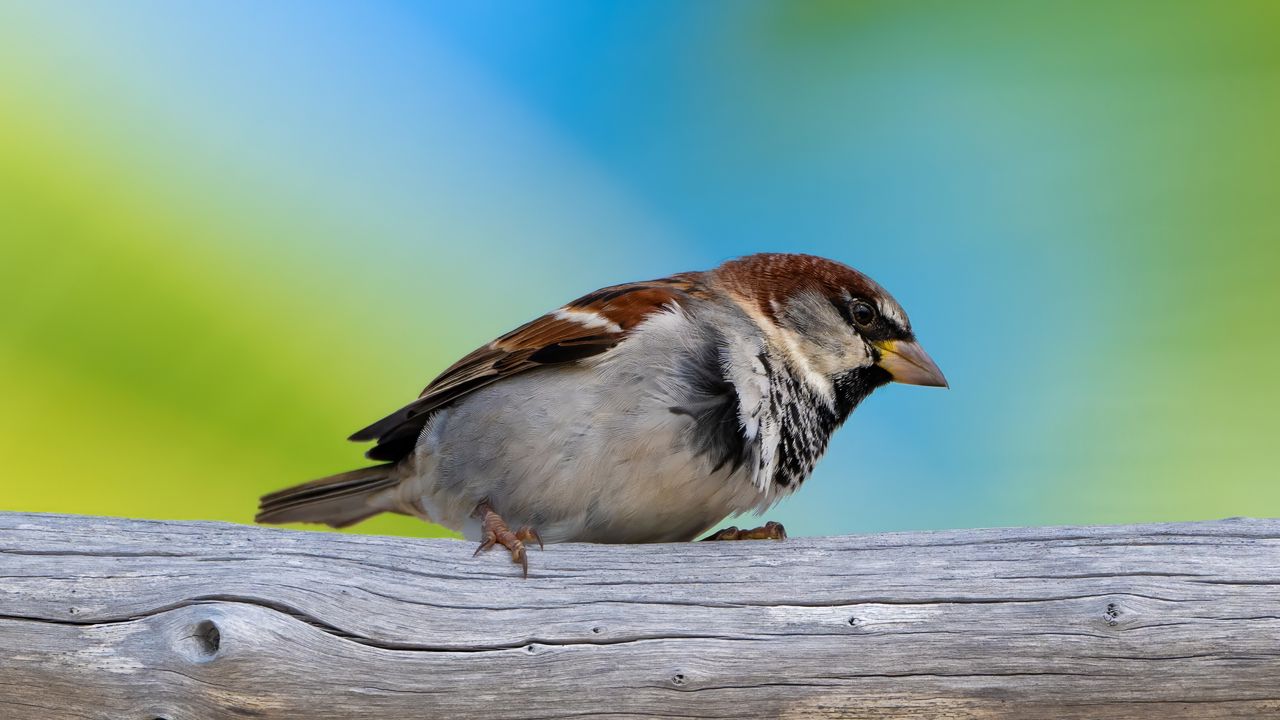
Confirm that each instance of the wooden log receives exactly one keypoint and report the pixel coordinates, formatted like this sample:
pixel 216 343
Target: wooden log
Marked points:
pixel 139 620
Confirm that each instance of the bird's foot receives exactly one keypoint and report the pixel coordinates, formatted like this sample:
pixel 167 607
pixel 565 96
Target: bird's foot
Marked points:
pixel 769 531
pixel 495 532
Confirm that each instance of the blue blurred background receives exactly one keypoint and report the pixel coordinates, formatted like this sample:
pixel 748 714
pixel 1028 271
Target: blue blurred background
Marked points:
pixel 231 233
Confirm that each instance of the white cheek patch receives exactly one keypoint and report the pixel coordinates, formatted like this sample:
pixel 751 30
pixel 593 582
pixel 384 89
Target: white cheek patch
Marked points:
pixel 790 345
pixel 859 354
pixel 798 356
pixel 587 318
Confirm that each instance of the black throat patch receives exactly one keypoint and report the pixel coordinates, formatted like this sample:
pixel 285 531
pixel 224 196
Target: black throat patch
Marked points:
pixel 806 421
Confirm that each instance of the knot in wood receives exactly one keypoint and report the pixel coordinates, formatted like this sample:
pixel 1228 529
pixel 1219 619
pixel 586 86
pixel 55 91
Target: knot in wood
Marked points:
pixel 202 642
pixel 1112 615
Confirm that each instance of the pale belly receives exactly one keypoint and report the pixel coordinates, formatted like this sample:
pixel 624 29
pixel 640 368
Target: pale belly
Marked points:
pixel 546 452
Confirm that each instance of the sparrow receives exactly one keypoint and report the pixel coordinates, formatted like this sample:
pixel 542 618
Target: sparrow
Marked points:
pixel 642 412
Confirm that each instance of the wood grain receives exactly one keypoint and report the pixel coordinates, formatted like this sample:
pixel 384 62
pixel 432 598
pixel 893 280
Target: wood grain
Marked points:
pixel 138 620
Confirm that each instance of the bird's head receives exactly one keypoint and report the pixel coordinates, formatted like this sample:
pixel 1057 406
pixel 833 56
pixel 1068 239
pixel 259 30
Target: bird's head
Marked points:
pixel 840 330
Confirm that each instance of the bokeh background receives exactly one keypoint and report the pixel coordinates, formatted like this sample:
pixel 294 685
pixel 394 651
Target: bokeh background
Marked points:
pixel 232 233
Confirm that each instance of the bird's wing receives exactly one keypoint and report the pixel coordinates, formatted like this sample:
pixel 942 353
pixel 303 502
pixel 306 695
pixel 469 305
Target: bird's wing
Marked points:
pixel 590 325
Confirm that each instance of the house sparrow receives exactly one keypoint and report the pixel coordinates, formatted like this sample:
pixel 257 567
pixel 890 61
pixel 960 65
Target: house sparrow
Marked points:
pixel 644 412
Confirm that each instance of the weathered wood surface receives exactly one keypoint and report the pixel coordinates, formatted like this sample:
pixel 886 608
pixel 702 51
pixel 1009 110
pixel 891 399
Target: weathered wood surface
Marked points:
pixel 105 618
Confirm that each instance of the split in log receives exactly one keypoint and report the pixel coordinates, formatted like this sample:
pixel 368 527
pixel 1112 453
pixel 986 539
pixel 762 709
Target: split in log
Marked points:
pixel 138 620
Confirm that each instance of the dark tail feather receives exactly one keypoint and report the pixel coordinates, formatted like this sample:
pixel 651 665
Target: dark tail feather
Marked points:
pixel 337 501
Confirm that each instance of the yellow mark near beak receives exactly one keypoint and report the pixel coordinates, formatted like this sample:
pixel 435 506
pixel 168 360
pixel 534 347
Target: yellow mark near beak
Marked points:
pixel 909 364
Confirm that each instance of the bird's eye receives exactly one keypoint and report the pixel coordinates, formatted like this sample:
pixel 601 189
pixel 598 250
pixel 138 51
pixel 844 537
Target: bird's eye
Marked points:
pixel 862 313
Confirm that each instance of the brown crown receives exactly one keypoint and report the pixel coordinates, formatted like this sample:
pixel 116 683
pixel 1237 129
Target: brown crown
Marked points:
pixel 767 278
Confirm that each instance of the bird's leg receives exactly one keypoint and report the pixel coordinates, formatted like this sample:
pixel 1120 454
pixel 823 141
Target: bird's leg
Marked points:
pixel 495 532
pixel 769 531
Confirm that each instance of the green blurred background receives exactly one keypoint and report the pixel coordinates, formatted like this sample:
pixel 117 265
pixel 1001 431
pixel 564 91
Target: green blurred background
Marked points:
pixel 232 233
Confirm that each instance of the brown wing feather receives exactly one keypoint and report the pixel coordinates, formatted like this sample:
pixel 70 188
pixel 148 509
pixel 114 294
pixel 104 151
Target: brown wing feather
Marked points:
pixel 588 326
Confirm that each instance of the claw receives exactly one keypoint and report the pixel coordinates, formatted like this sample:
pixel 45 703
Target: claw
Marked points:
pixel 774 531
pixel 729 533
pixel 518 555
pixel 495 532
pixel 771 530
pixel 526 533
pixel 485 544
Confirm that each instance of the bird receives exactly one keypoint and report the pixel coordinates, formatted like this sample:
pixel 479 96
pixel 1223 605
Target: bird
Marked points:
pixel 643 412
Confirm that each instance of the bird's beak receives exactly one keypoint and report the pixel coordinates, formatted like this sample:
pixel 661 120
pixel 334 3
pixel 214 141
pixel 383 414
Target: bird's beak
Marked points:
pixel 909 364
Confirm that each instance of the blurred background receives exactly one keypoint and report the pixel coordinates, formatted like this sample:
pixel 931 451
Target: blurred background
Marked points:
pixel 232 233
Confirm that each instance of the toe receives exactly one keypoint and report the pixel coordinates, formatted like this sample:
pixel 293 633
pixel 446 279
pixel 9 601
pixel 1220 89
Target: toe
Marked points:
pixel 729 533
pixel 518 555
pixel 528 534
pixel 484 545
